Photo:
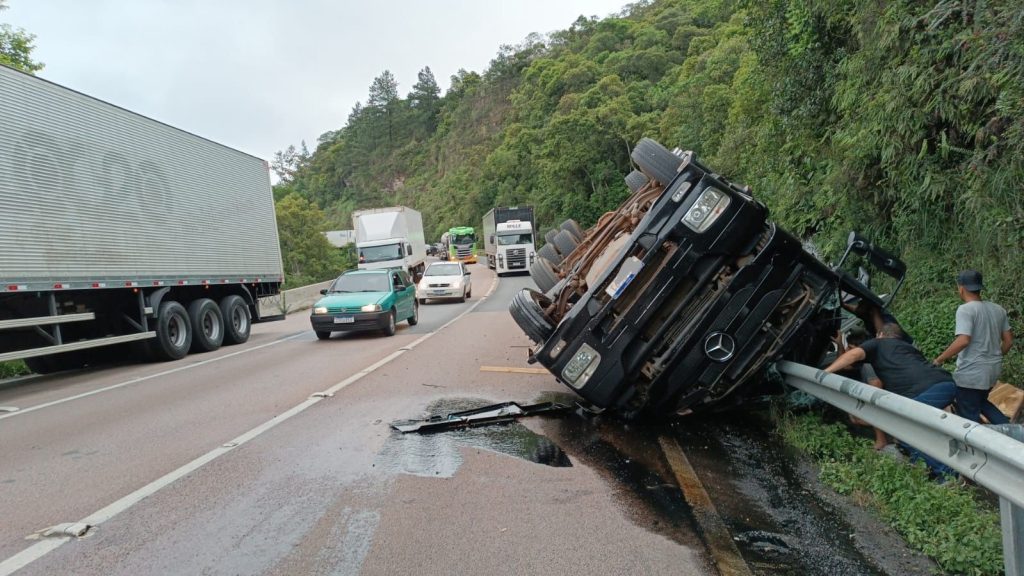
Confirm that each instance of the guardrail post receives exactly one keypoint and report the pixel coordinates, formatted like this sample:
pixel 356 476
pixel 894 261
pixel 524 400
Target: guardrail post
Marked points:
pixel 1012 518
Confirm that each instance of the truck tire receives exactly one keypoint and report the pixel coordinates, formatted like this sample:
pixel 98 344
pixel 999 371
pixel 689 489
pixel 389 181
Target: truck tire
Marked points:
pixel 656 161
pixel 389 330
pixel 543 274
pixel 173 332
pixel 549 236
pixel 237 319
pixel 573 228
pixel 565 242
pixel 635 180
pixel 527 309
pixel 207 325
pixel 548 251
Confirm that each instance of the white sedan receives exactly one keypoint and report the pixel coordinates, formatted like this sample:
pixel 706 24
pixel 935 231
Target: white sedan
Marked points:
pixel 444 280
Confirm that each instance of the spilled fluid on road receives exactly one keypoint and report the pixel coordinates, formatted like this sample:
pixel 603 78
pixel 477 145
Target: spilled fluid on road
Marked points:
pixel 438 454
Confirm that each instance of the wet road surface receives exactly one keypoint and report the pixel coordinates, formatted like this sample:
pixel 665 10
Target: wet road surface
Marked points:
pixel 329 488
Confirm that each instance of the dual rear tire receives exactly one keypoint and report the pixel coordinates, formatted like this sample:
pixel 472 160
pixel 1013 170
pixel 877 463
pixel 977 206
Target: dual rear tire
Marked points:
pixel 203 327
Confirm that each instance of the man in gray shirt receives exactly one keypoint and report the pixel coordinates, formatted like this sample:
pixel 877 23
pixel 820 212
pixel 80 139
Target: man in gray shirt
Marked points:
pixel 983 336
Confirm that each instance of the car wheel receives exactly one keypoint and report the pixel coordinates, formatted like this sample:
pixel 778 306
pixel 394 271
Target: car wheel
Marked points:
pixel 463 298
pixel 656 161
pixel 527 309
pixel 423 300
pixel 635 180
pixel 389 330
pixel 469 294
pixel 415 318
pixel 543 274
pixel 565 242
pixel 548 251
pixel 323 335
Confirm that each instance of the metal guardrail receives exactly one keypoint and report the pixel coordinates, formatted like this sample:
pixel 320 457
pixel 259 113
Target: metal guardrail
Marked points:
pixel 990 458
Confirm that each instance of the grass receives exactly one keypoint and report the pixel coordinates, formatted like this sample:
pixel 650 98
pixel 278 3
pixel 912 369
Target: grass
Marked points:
pixel 949 523
pixel 13 368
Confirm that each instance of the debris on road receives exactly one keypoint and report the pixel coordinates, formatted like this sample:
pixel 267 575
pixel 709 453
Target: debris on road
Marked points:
pixel 494 414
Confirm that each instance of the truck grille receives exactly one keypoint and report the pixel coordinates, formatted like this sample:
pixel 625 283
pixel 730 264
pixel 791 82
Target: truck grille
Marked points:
pixel 463 252
pixel 516 258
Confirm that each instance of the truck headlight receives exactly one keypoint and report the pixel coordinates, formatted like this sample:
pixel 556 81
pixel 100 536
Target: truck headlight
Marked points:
pixel 371 308
pixel 708 207
pixel 581 367
pixel 320 310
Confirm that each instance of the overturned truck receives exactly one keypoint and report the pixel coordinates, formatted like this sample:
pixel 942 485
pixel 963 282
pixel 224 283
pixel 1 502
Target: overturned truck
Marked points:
pixel 681 299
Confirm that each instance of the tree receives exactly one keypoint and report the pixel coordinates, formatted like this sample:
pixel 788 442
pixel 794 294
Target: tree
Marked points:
pixel 16 47
pixel 307 255
pixel 425 100
pixel 383 99
pixel 289 161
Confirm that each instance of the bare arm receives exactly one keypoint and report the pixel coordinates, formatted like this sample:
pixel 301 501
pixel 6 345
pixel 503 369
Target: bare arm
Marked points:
pixel 959 343
pixel 1007 341
pixel 849 358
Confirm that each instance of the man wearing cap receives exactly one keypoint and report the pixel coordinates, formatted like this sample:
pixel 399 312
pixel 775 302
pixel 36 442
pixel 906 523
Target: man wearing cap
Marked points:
pixel 983 337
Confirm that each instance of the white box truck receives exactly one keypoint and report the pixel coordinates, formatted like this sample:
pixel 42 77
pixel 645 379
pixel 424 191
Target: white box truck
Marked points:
pixel 118 229
pixel 509 240
pixel 390 238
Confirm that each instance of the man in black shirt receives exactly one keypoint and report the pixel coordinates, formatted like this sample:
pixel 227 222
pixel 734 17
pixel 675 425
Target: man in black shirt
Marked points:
pixel 904 371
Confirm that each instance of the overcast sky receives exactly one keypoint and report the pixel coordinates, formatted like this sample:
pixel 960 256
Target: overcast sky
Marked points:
pixel 259 75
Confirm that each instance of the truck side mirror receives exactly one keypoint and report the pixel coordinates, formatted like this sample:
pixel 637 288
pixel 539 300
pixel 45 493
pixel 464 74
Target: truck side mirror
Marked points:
pixel 408 249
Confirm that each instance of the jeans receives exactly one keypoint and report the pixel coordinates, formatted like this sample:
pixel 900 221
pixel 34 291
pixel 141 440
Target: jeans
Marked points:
pixel 970 403
pixel 939 396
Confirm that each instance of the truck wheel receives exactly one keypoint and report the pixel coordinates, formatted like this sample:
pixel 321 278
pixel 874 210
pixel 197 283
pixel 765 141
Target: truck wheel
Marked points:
pixel 207 325
pixel 573 228
pixel 237 321
pixel 323 335
pixel 415 318
pixel 548 251
pixel 173 332
pixel 565 242
pixel 543 274
pixel 527 309
pixel 635 180
pixel 549 236
pixel 656 161
pixel 389 330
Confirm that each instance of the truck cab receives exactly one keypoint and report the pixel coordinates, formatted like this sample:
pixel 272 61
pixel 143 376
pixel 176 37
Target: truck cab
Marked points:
pixel 514 246
pixel 462 244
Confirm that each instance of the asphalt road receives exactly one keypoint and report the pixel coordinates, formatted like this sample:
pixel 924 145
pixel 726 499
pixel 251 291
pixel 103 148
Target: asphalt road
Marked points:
pixel 229 463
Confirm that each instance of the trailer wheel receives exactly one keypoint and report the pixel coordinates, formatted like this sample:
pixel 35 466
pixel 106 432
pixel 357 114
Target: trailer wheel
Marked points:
pixel 237 319
pixel 207 325
pixel 543 274
pixel 549 236
pixel 173 332
pixel 548 251
pixel 527 309
pixel 565 242
pixel 656 161
pixel 573 228
pixel 635 180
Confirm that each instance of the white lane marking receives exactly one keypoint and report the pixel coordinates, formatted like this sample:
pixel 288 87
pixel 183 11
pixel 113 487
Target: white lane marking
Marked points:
pixel 144 378
pixel 40 549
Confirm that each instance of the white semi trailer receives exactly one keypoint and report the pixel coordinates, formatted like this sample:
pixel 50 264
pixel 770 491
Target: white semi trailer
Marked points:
pixel 116 229
pixel 390 238
pixel 509 240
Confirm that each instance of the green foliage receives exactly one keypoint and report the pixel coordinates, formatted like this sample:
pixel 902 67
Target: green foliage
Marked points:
pixel 12 369
pixel 308 256
pixel 16 47
pixel 902 120
pixel 946 522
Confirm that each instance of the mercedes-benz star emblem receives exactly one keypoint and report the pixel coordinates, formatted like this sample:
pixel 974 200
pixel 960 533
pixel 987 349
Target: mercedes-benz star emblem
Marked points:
pixel 719 346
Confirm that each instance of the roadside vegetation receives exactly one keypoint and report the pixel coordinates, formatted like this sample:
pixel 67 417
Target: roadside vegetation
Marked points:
pixel 12 369
pixel 950 523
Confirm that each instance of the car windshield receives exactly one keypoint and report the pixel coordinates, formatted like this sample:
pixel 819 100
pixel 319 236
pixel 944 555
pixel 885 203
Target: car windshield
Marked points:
pixel 510 239
pixel 361 283
pixel 443 270
pixel 369 254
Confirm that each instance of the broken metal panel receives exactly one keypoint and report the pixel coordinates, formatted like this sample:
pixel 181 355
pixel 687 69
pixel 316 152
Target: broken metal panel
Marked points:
pixel 494 414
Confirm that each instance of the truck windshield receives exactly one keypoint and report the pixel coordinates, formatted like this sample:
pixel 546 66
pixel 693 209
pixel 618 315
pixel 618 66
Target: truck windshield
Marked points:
pixel 510 239
pixel 443 270
pixel 464 239
pixel 361 283
pixel 369 254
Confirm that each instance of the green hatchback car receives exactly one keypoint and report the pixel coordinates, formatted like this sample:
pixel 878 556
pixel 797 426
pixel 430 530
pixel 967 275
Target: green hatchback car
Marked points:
pixel 366 300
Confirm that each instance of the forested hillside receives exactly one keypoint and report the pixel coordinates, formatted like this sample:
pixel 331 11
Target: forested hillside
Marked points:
pixel 904 120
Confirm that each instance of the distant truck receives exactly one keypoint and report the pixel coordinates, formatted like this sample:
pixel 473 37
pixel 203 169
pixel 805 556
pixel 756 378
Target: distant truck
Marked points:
pixel 461 245
pixel 509 241
pixel 390 238
pixel 116 229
